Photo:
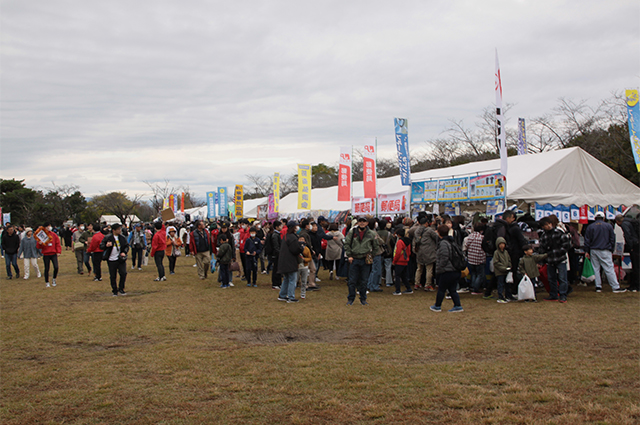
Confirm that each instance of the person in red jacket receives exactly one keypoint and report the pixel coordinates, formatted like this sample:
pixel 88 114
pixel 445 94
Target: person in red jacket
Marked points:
pixel 158 245
pixel 96 253
pixel 50 253
pixel 244 235
pixel 401 256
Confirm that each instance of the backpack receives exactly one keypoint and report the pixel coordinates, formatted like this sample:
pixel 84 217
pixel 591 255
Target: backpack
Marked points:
pixel 458 260
pixel 268 245
pixel 489 240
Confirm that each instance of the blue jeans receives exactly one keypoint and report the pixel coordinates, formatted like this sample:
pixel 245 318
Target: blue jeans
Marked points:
pixel 10 259
pixel 502 286
pixel 288 288
pixel 557 272
pixel 388 278
pixel 376 273
pixel 477 276
pixel 358 276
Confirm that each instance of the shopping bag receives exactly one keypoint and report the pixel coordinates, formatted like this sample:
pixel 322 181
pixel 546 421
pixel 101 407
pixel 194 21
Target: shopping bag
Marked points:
pixel 509 278
pixel 214 262
pixel 620 274
pixel 588 275
pixel 525 289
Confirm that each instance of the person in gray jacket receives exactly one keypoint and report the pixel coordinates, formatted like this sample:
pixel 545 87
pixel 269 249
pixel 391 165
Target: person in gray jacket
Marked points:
pixel 30 251
pixel 425 244
pixel 447 275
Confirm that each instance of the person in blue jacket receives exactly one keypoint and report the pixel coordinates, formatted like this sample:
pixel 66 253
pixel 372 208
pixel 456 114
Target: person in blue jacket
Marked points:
pixel 252 250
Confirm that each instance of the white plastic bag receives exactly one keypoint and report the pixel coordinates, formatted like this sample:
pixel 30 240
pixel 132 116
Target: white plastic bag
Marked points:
pixel 509 278
pixel 525 289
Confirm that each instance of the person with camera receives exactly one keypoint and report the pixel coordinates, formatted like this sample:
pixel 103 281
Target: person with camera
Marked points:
pixel 116 247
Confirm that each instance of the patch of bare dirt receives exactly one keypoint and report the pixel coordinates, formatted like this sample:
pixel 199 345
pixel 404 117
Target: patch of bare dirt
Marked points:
pixel 269 337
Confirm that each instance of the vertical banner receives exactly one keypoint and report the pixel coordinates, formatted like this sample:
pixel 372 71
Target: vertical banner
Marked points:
pixel 271 207
pixel 402 146
pixel 239 197
pixel 522 137
pixel 633 112
pixel 369 170
pixel 211 204
pixel 584 214
pixel 502 141
pixel 6 218
pixel 172 202
pixel 276 193
pixel 304 186
pixel 182 202
pixel 566 214
pixel 344 174
pixel 223 202
pixel 165 203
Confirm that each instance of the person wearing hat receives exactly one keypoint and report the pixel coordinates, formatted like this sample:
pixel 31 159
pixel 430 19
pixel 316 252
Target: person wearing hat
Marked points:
pixel 29 248
pixel 360 243
pixel 115 247
pixel 599 244
pixel 173 248
pixel 138 242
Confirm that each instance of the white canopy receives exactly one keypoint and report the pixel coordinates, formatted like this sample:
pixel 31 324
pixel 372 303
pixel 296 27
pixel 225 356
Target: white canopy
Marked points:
pixel 112 219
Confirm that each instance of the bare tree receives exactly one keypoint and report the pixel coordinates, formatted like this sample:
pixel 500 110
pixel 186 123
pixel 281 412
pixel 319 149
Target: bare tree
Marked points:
pixel 118 204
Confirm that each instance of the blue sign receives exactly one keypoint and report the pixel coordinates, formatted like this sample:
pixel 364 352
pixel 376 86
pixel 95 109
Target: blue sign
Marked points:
pixel 402 145
pixel 223 202
pixel 211 204
pixel 633 112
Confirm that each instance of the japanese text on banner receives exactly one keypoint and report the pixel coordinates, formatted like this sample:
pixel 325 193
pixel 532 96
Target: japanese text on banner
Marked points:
pixel 304 186
pixel 363 206
pixel 344 174
pixel 369 171
pixel 223 200
pixel 402 146
pixel 239 197
pixel 211 204
pixel 276 193
pixel 633 111
pixel 394 203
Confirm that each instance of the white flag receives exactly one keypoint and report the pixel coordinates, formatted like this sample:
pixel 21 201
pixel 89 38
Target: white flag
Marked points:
pixel 502 142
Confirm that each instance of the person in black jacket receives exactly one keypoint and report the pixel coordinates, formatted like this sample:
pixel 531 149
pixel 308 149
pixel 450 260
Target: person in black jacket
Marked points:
pixel 290 250
pixel 515 245
pixel 11 246
pixel 276 243
pixel 115 249
pixel 632 246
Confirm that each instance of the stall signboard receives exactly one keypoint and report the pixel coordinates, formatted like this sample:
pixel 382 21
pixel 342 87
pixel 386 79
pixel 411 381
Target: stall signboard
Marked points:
pixel 566 214
pixel 450 208
pixel 451 190
pixel 496 206
pixel 394 203
pixel 575 213
pixel 424 192
pixel 363 206
pixel 490 186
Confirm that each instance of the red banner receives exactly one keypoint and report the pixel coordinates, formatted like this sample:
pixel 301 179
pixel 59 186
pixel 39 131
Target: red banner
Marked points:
pixel 584 214
pixel 182 202
pixel 344 174
pixel 369 171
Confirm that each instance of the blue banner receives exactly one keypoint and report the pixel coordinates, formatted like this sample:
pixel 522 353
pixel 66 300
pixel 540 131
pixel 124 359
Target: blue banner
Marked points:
pixel 211 204
pixel 522 137
pixel 402 145
pixel 633 111
pixel 223 202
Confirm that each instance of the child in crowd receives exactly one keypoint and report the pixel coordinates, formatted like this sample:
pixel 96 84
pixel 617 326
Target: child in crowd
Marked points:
pixel 528 265
pixel 502 266
pixel 401 256
pixel 252 250
pixel 303 267
pixel 225 255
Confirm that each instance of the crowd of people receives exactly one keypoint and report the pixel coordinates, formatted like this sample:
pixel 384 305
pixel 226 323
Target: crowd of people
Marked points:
pixel 440 253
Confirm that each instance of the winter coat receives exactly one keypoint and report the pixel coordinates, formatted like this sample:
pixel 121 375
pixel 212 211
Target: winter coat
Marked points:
pixel 276 243
pixel 10 243
pixel 243 236
pixel 599 235
pixel 501 259
pixel 359 248
pixel 124 245
pixel 29 247
pixel 556 243
pixel 132 237
pixel 53 247
pixel 96 239
pixel 158 243
pixel 289 252
pixel 169 249
pixel 334 246
pixel 306 257
pixel 515 240
pixel 529 264
pixel 443 256
pixel 253 245
pixel 402 252
pixel 225 254
pixel 630 235
pixel 425 244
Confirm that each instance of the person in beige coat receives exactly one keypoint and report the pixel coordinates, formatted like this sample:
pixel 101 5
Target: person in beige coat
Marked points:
pixel 334 249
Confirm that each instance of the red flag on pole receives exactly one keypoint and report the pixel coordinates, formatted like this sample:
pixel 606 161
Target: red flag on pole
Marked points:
pixel 344 174
pixel 369 171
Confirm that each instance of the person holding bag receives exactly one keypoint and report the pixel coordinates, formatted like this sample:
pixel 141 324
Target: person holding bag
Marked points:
pixel 173 249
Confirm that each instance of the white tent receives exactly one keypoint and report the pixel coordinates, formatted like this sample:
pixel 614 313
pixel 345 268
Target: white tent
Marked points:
pixel 565 176
pixel 112 219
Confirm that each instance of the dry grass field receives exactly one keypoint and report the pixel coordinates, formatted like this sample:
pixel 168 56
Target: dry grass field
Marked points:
pixel 185 351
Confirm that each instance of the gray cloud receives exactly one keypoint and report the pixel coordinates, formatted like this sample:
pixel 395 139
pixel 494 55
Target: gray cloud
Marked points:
pixel 106 95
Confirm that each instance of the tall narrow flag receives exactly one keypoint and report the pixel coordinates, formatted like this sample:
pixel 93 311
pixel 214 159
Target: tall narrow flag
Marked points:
pixel 165 203
pixel 239 197
pixel 369 170
pixel 633 111
pixel 304 186
pixel 223 202
pixel 502 142
pixel 211 204
pixel 182 202
pixel 276 193
pixel 172 202
pixel 344 174
pixel 522 137
pixel 402 146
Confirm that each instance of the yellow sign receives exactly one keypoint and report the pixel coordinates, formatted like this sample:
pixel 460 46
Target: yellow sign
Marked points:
pixel 304 186
pixel 632 97
pixel 239 201
pixel 276 192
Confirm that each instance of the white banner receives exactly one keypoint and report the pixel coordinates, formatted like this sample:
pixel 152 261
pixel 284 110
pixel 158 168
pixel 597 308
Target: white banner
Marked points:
pixel 395 203
pixel 363 206
pixel 502 141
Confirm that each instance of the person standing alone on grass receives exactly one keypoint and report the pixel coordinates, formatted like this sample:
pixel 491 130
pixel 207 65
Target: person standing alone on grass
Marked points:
pixel 50 253
pixel 556 244
pixel 360 244
pixel 201 248
pixel 115 249
pixel 28 248
pixel 96 253
pixel 138 242
pixel 288 263
pixel 252 250
pixel 599 244
pixel 158 246
pixel 225 255
pixel 11 246
pixel 173 249
pixel 446 274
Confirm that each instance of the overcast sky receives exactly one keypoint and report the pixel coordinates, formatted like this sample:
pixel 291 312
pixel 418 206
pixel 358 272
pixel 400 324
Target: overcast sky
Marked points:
pixel 108 94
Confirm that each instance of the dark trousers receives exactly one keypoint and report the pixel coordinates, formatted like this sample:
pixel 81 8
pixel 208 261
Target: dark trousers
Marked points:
pixel 276 278
pixel 251 272
pixel 490 277
pixel 10 259
pixel 503 289
pixel 48 259
pixel 80 259
pixel 115 268
pixel 187 250
pixel 413 266
pixel 96 259
pixel 172 264
pixel 402 277
pixel 223 274
pixel 358 279
pixel 448 281
pixel 136 254
pixel 158 257
pixel 243 261
pixel 634 276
